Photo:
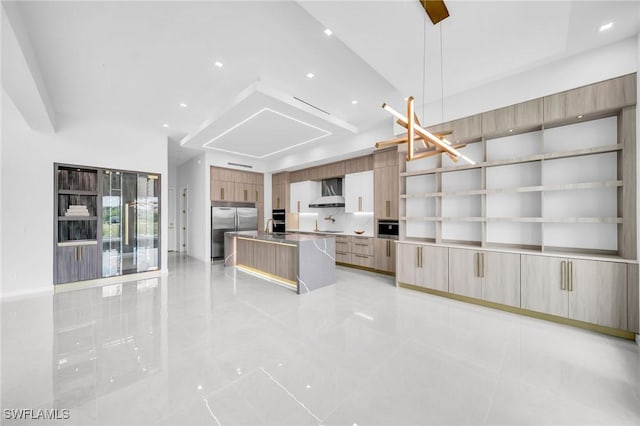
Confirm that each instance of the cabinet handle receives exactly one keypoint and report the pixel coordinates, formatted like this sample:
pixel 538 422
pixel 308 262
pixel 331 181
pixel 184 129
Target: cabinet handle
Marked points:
pixel 222 193
pixel 359 204
pixel 570 278
pixel 257 197
pixel 563 275
pixel 278 202
pixel 359 244
pixel 483 265
pixel 126 224
pixel 477 264
pixel 246 195
pixel 388 248
pixel 418 257
pixel 75 254
pixel 388 208
pixel 358 255
pixel 298 206
pixel 80 250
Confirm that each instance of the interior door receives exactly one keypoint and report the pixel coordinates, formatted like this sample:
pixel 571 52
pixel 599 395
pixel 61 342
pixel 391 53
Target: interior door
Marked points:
pixel 112 222
pixel 147 250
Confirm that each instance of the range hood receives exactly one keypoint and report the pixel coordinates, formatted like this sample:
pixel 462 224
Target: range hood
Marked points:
pixel 331 194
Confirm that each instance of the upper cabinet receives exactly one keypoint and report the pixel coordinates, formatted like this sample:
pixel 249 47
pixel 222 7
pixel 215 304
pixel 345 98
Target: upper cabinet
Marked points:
pixel 601 97
pixel 280 191
pixel 522 116
pixel 386 184
pixel 358 192
pixel 302 194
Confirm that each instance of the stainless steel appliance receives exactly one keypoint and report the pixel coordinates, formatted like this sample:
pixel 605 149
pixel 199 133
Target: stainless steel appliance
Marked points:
pixel 279 220
pixel 388 229
pixel 331 194
pixel 226 217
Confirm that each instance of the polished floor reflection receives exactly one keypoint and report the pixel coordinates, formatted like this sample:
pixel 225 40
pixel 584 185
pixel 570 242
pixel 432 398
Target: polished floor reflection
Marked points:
pixel 215 346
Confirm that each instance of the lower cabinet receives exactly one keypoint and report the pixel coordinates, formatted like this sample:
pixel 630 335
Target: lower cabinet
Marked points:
pixel 76 263
pixel 486 275
pixel 385 255
pixel 584 290
pixel 424 266
pixel 355 250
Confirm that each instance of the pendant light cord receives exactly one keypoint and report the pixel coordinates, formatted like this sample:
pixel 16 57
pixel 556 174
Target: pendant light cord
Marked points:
pixel 424 66
pixel 441 78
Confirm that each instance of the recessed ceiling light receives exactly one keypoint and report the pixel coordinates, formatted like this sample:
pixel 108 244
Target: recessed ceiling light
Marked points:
pixel 183 105
pixel 605 27
pixel 354 102
pixel 510 130
pixel 218 64
pixel 310 75
pixel 580 116
pixel 328 32
pixel 165 125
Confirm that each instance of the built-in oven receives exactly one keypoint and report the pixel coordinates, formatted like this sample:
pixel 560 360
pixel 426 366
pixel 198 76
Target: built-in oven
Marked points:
pixel 279 222
pixel 388 229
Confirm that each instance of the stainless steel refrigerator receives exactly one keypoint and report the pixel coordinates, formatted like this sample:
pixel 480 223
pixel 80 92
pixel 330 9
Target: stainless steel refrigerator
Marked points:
pixel 230 218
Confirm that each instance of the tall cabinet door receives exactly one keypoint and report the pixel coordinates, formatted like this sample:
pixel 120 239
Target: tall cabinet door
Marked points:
pixel 543 286
pixel 501 278
pixel 465 272
pixel 385 254
pixel 598 292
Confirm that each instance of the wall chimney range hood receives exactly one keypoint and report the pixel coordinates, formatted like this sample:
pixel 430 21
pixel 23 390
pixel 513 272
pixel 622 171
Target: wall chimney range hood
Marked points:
pixel 331 194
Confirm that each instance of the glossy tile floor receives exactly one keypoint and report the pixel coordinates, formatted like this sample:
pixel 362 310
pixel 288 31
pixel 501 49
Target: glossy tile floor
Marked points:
pixel 209 345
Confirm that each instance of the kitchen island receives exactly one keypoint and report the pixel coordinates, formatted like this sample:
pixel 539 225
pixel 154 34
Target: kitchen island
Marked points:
pixel 299 261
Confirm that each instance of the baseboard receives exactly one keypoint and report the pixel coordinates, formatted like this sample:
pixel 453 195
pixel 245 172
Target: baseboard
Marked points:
pixel 629 335
pixel 364 268
pixel 61 288
pixel 16 295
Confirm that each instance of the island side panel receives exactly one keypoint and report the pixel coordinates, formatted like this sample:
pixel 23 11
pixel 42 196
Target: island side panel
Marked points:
pixel 316 264
pixel 229 250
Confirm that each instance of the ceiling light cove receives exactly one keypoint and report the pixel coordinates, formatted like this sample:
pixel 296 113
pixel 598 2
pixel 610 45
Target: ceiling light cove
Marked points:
pixel 605 27
pixel 279 132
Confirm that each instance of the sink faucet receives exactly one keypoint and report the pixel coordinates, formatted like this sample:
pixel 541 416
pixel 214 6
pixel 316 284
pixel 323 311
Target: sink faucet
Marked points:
pixel 266 226
pixel 331 218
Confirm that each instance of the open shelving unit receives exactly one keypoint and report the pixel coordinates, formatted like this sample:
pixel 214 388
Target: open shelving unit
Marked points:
pixel 546 189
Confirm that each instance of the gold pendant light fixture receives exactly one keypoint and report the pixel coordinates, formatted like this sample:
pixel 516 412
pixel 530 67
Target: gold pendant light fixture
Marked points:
pixel 434 143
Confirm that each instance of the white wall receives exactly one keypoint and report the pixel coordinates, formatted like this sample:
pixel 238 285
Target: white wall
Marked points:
pixel 27 185
pixel 192 175
pixel 579 70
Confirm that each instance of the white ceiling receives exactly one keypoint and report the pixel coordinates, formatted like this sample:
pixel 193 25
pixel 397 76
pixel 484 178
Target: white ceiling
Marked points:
pixel 137 61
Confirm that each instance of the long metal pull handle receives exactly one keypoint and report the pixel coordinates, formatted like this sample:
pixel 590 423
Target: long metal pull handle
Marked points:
pixel 388 208
pixel 126 224
pixel 81 249
pixel 570 278
pixel 388 248
pixel 483 265
pixel 418 257
pixel 477 264
pixel 75 254
pixel 278 202
pixel 298 206
pixel 246 195
pixel 222 193
pixel 359 204
pixel 257 195
pixel 563 275
pixel 358 244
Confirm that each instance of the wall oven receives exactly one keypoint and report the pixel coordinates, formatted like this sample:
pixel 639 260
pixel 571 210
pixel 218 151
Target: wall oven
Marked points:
pixel 279 223
pixel 388 229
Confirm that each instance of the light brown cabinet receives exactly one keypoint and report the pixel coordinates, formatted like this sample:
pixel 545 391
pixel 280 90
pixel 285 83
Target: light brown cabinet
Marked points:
pixel 486 275
pixel 600 97
pixel 385 255
pixel 385 184
pixel 522 116
pixel 584 290
pixel 423 266
pixel 223 191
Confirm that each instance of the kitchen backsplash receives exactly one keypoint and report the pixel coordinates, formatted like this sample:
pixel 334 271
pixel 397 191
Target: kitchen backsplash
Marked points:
pixel 346 222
